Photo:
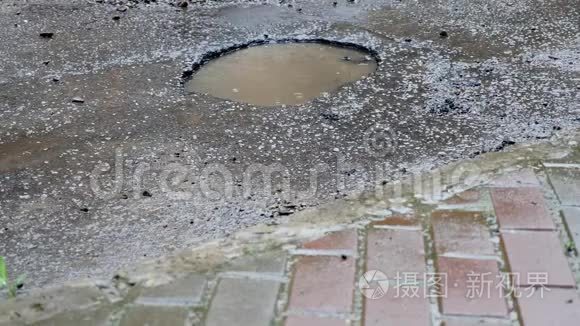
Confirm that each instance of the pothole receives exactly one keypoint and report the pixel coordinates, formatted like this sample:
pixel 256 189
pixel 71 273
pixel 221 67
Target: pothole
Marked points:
pixel 281 73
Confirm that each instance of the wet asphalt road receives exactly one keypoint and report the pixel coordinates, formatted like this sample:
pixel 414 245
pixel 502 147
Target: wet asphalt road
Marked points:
pixel 94 88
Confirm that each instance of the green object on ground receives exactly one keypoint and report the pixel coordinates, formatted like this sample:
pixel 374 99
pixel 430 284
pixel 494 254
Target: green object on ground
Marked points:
pixel 5 282
pixel 3 273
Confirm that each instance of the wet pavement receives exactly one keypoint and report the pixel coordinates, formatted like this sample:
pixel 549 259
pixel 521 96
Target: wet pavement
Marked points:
pixel 105 158
pixel 497 248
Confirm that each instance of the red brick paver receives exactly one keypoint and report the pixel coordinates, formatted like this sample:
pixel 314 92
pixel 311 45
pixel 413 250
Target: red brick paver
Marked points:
pixel 473 321
pixel 395 252
pixel 464 278
pixel 398 308
pixel 323 283
pixel 521 208
pixel 340 240
pixel 530 253
pixel 522 178
pixel 558 307
pixel 461 232
pixel 314 321
pixel 149 315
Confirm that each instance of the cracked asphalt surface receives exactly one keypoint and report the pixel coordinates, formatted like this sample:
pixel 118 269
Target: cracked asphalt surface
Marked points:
pixel 84 82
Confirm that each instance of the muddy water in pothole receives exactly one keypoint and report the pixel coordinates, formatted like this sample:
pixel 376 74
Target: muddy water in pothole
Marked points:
pixel 274 74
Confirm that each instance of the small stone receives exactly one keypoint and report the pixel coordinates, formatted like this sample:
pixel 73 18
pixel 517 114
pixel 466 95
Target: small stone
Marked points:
pixel 286 210
pixel 46 35
pixel 146 194
pixel 443 34
pixel 116 17
pixel 122 8
pixel 78 100
pixel 183 3
pixel 85 210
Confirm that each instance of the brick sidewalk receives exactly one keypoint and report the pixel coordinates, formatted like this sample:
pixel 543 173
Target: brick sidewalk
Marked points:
pixel 495 233
pixel 500 254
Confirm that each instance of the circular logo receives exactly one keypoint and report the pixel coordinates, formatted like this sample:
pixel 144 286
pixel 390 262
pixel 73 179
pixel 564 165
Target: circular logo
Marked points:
pixel 380 140
pixel 373 284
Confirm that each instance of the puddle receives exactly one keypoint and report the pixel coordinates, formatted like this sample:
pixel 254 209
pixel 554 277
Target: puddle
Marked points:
pixel 281 73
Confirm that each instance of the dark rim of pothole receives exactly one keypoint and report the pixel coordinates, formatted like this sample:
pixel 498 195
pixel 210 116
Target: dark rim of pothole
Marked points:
pixel 209 56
